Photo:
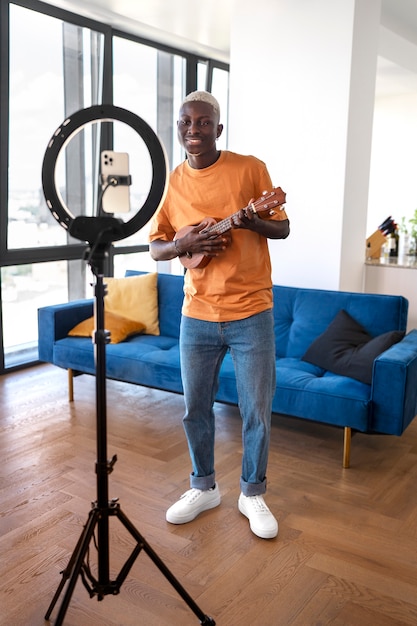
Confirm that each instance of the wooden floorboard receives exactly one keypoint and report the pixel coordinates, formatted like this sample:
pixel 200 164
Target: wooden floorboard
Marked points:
pixel 346 553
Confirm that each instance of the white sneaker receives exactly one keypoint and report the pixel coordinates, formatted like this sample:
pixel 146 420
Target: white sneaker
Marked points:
pixel 192 503
pixel 262 522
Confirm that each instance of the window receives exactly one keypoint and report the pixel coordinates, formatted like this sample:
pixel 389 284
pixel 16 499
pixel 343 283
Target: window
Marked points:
pixel 25 288
pixel 62 74
pixel 150 83
pixel 75 63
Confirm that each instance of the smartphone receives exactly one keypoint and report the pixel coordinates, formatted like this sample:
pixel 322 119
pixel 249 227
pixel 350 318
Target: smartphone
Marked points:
pixel 115 198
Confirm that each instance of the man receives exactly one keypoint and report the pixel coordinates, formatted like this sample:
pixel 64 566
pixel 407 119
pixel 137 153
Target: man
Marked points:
pixel 227 304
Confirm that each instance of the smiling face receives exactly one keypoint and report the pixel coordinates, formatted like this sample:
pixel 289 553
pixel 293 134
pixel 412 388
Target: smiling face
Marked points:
pixel 198 128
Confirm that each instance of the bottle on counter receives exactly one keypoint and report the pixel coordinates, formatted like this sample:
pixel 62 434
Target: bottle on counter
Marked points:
pixel 404 245
pixel 393 241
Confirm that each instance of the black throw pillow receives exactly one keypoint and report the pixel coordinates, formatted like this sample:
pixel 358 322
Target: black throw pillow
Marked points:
pixel 346 348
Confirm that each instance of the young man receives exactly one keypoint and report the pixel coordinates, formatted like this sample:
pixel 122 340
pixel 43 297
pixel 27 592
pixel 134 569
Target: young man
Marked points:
pixel 227 304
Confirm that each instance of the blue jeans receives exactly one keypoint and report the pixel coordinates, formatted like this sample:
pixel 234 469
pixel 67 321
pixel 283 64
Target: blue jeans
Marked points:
pixel 203 346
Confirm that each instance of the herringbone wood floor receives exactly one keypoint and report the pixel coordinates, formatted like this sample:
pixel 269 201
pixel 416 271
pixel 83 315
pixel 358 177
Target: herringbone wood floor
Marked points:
pixel 346 552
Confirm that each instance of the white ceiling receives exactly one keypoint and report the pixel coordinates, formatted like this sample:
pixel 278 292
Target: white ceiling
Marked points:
pixel 197 24
pixel 203 27
pixel 193 25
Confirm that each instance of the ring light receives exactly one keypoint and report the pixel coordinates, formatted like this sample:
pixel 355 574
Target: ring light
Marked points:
pixel 105 227
pixel 99 232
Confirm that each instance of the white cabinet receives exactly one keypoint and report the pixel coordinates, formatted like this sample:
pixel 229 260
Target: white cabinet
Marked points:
pixel 394 278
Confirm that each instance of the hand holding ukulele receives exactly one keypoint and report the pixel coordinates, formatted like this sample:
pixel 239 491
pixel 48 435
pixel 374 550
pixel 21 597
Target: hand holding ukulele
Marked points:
pixel 200 243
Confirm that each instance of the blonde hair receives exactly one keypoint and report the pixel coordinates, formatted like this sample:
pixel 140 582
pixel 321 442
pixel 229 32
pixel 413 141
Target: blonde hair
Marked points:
pixel 203 96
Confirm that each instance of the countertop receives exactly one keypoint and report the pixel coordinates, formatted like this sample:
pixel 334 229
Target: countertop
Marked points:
pixel 407 262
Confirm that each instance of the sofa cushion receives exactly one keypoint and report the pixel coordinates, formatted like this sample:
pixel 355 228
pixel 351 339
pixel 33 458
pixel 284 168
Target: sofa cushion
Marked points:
pixel 346 348
pixel 134 297
pixel 302 314
pixel 311 392
pixel 120 327
pixel 170 296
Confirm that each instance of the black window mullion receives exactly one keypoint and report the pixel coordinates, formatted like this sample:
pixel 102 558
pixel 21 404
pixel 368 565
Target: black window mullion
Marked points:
pixel 4 123
pixel 24 256
pixel 191 73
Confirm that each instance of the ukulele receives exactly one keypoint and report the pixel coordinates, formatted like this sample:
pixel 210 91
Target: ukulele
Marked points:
pixel 263 206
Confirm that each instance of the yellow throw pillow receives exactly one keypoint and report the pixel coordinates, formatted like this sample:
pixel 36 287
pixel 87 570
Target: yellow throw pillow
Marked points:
pixel 134 297
pixel 120 327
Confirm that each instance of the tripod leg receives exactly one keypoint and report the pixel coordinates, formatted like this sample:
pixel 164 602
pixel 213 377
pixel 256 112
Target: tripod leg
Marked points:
pixel 73 568
pixel 100 514
pixel 143 544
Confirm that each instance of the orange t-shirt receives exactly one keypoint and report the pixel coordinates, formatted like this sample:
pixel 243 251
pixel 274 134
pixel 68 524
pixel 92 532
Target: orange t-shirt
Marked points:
pixel 237 283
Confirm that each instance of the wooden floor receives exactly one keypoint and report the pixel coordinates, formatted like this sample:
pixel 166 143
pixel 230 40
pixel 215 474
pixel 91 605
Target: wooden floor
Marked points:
pixel 346 551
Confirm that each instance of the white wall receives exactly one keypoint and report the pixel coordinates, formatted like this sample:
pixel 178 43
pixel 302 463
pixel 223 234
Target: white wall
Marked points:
pixel 393 189
pixel 297 90
pixel 393 186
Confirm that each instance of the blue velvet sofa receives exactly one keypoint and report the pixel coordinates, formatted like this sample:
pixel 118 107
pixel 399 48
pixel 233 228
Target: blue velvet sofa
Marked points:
pixel 387 404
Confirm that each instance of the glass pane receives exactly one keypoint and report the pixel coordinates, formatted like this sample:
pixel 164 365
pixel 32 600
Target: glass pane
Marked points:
pixel 220 90
pixel 24 289
pixel 140 261
pixel 46 85
pixel 202 75
pixel 150 83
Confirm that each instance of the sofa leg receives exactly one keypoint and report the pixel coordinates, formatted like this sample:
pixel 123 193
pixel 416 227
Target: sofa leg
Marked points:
pixel 70 385
pixel 347 438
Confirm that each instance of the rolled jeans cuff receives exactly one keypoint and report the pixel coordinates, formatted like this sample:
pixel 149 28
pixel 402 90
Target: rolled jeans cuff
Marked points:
pixel 202 482
pixel 252 489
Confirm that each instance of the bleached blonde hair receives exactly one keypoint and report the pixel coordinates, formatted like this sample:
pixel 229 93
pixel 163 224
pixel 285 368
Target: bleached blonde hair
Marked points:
pixel 203 96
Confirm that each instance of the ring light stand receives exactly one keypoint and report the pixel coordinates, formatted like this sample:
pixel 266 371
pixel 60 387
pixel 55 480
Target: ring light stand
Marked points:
pixel 100 232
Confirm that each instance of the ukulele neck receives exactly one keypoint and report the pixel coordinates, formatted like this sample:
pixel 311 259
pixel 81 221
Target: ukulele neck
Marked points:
pixel 227 223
